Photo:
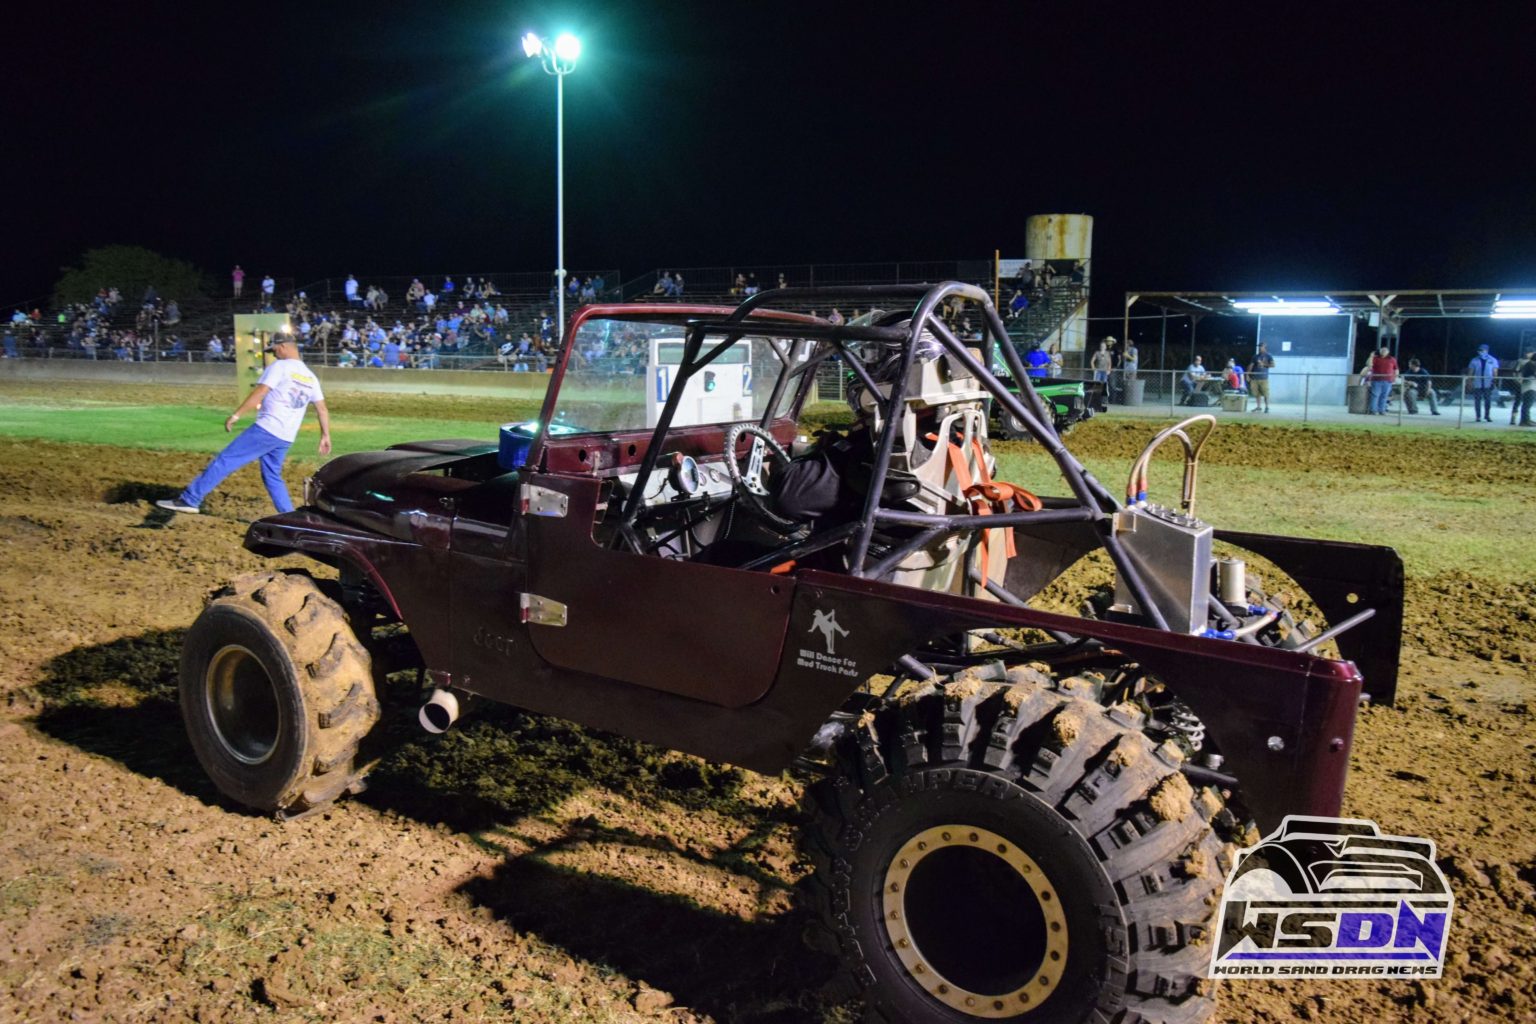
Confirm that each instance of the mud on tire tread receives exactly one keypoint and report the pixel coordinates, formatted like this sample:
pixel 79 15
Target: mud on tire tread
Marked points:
pixel 1123 813
pixel 322 679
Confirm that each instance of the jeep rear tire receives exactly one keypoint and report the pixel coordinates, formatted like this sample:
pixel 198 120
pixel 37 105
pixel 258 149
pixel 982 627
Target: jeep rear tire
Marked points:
pixel 276 693
pixel 993 847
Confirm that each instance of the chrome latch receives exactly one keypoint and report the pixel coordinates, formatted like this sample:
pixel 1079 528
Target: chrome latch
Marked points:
pixel 541 611
pixel 541 501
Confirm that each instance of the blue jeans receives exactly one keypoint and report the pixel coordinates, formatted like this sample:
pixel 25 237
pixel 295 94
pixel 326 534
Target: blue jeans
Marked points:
pixel 1380 389
pixel 1482 401
pixel 253 443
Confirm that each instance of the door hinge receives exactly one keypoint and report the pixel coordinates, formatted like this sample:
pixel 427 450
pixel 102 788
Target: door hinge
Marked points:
pixel 541 611
pixel 541 501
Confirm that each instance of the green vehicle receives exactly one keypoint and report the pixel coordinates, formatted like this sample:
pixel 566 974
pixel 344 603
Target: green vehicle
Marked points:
pixel 1070 401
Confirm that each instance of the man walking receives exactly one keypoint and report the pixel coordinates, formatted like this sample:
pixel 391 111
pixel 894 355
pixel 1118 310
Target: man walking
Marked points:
pixel 1481 371
pixel 285 389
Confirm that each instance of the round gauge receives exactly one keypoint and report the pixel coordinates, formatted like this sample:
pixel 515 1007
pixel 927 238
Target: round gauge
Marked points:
pixel 684 475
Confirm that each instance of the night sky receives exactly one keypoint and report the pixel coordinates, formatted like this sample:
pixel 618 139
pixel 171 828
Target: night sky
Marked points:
pixel 1225 146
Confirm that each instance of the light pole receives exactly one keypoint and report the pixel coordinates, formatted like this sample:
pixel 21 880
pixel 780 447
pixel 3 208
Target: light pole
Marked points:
pixel 559 60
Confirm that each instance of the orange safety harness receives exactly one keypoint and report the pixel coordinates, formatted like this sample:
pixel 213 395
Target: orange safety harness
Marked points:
pixel 987 496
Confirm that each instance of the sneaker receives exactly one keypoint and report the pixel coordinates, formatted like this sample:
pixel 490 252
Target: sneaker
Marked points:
pixel 173 505
pixel 1436 413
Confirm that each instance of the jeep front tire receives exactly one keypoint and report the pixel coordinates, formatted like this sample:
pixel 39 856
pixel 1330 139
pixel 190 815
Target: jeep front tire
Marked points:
pixel 276 693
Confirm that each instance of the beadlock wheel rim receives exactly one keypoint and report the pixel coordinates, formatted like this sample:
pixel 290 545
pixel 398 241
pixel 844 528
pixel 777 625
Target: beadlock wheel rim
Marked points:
pixel 908 936
pixel 242 705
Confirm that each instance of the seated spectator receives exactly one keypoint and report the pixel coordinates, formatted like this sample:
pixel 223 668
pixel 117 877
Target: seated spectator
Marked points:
pixel 429 301
pixel 172 313
pixel 1018 304
pixel 1038 362
pixel 347 359
pixel 588 292
pixel 663 284
pixel 215 349
pixel 1048 277
pixel 350 290
pixel 447 288
pixel 752 287
pixel 415 292
pixel 1195 375
pixel 1418 384
pixel 504 354
pixel 1232 376
pixel 783 282
pixel 677 285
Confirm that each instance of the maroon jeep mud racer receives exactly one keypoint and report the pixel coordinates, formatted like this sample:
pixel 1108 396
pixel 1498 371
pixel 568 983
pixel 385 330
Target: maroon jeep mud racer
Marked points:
pixel 1015 814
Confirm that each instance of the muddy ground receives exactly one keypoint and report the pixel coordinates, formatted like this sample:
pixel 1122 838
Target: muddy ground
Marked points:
pixel 520 869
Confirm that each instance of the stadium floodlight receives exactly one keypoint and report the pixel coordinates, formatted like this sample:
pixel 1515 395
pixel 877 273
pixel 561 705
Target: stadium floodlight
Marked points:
pixel 567 48
pixel 1287 307
pixel 559 60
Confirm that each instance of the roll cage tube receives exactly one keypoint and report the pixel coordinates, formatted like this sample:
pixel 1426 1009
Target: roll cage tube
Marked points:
pixel 1095 503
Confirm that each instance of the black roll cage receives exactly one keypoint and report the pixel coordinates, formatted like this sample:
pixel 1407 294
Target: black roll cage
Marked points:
pixel 1092 503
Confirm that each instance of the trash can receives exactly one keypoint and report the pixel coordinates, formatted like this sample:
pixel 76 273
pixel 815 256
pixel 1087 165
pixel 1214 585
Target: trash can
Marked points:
pixel 1135 390
pixel 1359 398
pixel 1233 401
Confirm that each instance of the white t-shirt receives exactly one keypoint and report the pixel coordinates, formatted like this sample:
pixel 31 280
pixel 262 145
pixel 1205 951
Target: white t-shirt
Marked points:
pixel 293 386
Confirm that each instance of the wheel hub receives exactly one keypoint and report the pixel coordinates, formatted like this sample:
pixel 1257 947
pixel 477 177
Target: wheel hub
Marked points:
pixel 975 921
pixel 242 705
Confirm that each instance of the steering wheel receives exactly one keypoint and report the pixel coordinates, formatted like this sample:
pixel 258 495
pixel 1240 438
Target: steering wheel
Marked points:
pixel 748 482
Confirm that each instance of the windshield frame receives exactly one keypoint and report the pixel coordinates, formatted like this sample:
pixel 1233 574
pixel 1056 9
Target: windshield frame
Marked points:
pixel 681 314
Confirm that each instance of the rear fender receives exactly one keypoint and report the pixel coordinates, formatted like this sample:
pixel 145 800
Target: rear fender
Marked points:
pixel 1343 579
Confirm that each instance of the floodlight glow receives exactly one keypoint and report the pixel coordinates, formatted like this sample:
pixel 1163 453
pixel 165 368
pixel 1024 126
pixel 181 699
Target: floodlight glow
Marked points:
pixel 567 48
pixel 532 44
pixel 1514 309
pixel 1287 307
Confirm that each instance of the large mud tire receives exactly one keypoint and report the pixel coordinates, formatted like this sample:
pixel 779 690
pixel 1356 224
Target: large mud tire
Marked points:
pixel 277 693
pixel 993 847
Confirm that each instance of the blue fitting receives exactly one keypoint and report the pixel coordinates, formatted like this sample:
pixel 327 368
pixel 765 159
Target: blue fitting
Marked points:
pixel 1218 634
pixel 1258 609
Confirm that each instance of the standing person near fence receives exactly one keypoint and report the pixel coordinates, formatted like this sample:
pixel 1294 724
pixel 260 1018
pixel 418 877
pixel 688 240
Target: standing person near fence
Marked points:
pixel 1100 362
pixel 1481 372
pixel 1383 376
pixel 1526 372
pixel 286 388
pixel 1258 377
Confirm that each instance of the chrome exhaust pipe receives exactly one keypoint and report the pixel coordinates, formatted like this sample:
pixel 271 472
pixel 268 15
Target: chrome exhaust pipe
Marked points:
pixel 439 712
